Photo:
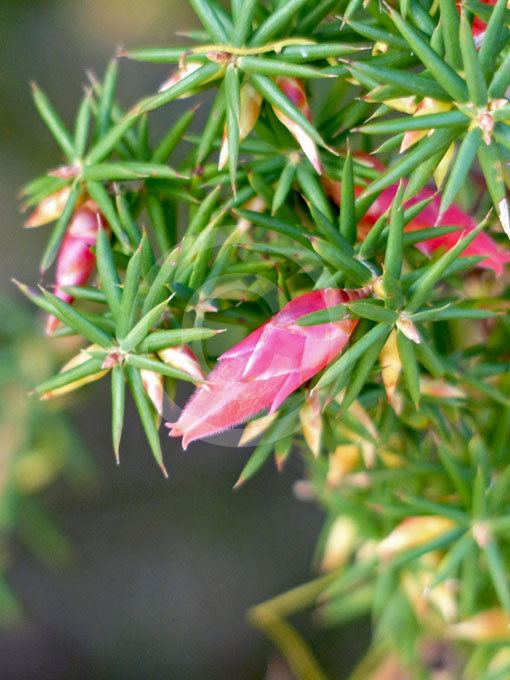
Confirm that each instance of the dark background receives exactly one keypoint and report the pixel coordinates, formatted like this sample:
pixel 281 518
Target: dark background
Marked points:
pixel 162 571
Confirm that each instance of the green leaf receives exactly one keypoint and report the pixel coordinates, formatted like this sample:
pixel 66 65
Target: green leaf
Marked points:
pixel 243 20
pixel 372 311
pixel 440 140
pixel 159 223
pixel 498 572
pixel 442 72
pixel 118 404
pixel 157 55
pixel 108 142
pixel 276 67
pixel 430 278
pixel 190 82
pixel 148 364
pixel 394 248
pixel 107 96
pixel 53 121
pixel 377 34
pixel 129 292
pixel 145 411
pixel 82 129
pixel 100 195
pixel 501 79
pixel 361 373
pixel 233 112
pixel 175 337
pixel 84 370
pixel 283 187
pixel 493 172
pixel 210 20
pixel 447 312
pixel 347 201
pixel 270 91
pixel 108 272
pixel 312 188
pixel 460 167
pixel 255 462
pixel 330 232
pixel 109 172
pixel 490 44
pixel 140 331
pixel 369 244
pixel 277 22
pixel 127 220
pixel 406 350
pixel 70 316
pixel 425 122
pixel 59 230
pixel 473 73
pixel 375 335
pixel 345 263
pixel 407 81
pixel 173 137
pixel 450 25
pixel 306 52
pixel 329 315
pixel 211 128
pixel 273 224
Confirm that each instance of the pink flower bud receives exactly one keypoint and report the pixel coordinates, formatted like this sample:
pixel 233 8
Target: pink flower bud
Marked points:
pixel 76 261
pixel 49 209
pixel 294 90
pixel 182 358
pixel 266 367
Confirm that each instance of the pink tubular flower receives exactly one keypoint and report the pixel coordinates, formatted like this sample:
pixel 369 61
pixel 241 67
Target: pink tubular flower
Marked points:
pixel 483 245
pixel 267 366
pixel 76 261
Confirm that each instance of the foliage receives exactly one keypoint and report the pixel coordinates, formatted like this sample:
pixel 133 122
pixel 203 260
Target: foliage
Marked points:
pixel 329 120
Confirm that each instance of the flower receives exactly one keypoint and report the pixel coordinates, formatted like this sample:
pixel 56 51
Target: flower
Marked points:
pixel 483 245
pixel 76 261
pixel 267 366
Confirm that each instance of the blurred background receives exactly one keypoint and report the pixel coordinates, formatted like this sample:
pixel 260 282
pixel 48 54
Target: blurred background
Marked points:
pixel 137 576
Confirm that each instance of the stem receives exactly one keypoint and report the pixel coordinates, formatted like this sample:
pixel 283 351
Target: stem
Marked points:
pixel 269 618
